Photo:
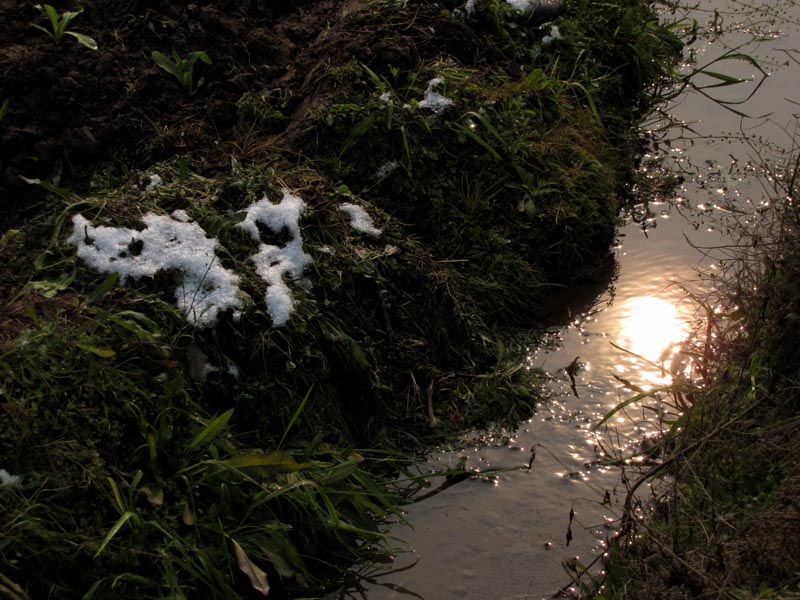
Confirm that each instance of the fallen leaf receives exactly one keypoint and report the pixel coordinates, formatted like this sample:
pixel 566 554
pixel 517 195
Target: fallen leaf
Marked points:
pixel 257 577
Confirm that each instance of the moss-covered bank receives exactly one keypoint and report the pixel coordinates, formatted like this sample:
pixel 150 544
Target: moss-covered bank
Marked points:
pixel 159 459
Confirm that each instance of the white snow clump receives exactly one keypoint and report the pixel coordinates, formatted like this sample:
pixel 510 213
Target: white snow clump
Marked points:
pixel 434 101
pixel 554 35
pixel 530 6
pixel 7 478
pixel 166 244
pixel 386 169
pixel 359 219
pixel 181 215
pixel 155 181
pixel 273 262
pixel 521 5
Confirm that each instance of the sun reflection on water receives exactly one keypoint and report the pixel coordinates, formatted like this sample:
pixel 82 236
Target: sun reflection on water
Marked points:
pixel 653 329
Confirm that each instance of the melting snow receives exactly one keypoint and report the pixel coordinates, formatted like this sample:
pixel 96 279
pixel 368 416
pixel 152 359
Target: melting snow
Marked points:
pixel 273 262
pixel 386 169
pixel 359 219
pixel 155 181
pixel 207 288
pixel 529 6
pixel 7 478
pixel 166 244
pixel 434 101
pixel 554 35
pixel 181 215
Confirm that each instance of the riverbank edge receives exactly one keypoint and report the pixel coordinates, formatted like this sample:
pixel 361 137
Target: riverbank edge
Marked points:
pixel 723 520
pixel 147 457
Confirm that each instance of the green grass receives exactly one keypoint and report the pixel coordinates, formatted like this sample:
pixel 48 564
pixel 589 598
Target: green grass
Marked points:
pixel 146 475
pixel 129 485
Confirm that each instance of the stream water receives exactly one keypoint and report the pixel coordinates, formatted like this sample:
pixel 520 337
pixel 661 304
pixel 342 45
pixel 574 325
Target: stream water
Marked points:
pixel 505 536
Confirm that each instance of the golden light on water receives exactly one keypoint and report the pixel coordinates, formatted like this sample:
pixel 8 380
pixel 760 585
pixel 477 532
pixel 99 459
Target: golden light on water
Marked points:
pixel 650 327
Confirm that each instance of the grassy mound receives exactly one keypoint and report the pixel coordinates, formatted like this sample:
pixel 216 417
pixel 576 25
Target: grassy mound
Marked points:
pixel 150 457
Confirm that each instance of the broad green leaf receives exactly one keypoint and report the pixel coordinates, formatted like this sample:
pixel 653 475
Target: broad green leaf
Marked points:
pixel 358 131
pixel 66 18
pixel 537 81
pixel 341 471
pixel 145 329
pixel 622 405
pixel 214 427
pixel 133 577
pixel 237 218
pixel 53 189
pixel 295 416
pixel 193 56
pixel 151 325
pixel 50 12
pixel 723 77
pixel 115 529
pixel 476 138
pixel 152 448
pixel 51 288
pixel 90 594
pixel 280 564
pixel 117 495
pixel 165 63
pixel 100 292
pixel 276 462
pixel 84 39
pixel 263 498
pixel 101 352
pixel 182 69
pixel 47 31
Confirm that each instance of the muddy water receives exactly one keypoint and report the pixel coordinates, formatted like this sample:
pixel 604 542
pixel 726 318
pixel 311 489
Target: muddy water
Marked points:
pixel 505 536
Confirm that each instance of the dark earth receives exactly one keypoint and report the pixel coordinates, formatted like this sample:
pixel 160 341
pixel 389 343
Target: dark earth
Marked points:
pixel 72 110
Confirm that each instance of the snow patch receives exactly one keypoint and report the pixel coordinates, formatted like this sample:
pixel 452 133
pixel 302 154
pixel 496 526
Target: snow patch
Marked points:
pixel 386 169
pixel 273 262
pixel 520 5
pixel 206 288
pixel 7 478
pixel 549 7
pixel 359 219
pixel 434 101
pixel 554 35
pixel 154 182
pixel 181 215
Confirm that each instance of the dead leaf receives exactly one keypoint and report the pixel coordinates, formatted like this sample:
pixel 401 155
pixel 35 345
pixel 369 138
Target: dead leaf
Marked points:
pixel 153 493
pixel 188 516
pixel 257 577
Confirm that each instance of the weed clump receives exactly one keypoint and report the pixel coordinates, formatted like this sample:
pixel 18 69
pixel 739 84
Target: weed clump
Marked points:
pixel 725 521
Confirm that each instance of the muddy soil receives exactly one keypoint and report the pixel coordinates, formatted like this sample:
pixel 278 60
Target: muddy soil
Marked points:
pixel 78 118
